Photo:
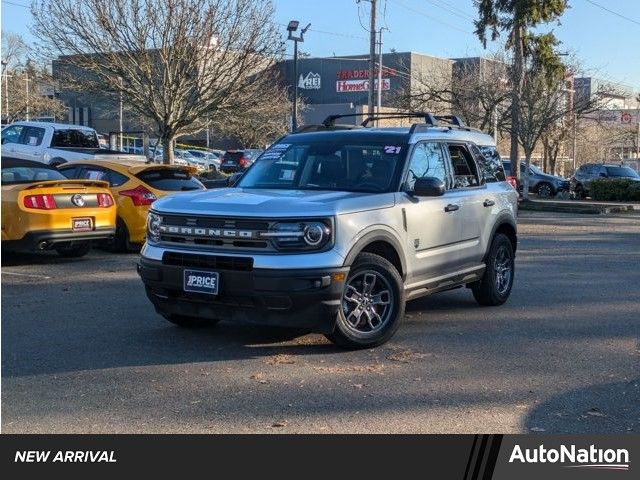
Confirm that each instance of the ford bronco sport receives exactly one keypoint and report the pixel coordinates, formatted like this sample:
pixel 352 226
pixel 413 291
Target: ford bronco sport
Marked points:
pixel 334 228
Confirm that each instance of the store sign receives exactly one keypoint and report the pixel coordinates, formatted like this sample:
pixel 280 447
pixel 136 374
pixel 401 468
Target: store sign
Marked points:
pixel 346 86
pixel 362 74
pixel 310 82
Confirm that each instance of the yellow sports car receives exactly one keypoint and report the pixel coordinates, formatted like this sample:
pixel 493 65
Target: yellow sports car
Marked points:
pixel 135 186
pixel 42 209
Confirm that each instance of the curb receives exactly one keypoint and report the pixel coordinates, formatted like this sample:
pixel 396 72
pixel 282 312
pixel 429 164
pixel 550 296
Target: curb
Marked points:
pixel 589 209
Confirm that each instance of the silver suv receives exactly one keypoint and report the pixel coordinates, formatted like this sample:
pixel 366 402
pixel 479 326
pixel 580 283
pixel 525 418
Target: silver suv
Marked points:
pixel 334 228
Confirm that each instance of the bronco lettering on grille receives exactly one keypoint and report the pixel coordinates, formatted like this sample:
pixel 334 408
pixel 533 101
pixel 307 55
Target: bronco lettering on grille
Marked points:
pixel 206 232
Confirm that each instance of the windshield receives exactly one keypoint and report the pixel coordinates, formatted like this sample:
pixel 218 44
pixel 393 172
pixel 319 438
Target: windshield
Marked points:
pixel 350 167
pixel 622 172
pixel 535 169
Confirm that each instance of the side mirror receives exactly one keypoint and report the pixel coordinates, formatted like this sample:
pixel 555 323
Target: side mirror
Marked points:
pixel 4 140
pixel 428 187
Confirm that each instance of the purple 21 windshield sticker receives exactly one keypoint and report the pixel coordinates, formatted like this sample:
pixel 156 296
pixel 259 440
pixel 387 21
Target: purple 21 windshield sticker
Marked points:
pixel 392 149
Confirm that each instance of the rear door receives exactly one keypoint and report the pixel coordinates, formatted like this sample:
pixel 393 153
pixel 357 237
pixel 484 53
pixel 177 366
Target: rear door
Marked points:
pixel 469 196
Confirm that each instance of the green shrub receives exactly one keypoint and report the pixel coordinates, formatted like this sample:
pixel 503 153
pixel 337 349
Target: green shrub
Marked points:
pixel 615 189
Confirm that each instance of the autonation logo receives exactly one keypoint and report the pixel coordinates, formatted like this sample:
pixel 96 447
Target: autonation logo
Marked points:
pixel 574 457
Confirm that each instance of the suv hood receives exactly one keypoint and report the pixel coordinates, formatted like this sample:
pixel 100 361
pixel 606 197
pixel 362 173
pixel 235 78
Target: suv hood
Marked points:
pixel 271 203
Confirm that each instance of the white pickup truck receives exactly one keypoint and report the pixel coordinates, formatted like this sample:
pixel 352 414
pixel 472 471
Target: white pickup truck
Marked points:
pixel 56 143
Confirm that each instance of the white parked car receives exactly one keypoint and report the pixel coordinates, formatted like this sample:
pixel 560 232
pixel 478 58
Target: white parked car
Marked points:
pixel 56 143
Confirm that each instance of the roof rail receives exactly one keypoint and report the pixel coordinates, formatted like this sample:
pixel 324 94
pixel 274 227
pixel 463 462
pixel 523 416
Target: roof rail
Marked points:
pixel 452 119
pixel 324 128
pixel 429 118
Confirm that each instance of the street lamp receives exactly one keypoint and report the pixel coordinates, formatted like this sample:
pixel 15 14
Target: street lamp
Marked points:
pixel 291 28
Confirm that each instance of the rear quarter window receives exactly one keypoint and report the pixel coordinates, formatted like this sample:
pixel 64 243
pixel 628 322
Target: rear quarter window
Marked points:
pixel 169 180
pixel 491 165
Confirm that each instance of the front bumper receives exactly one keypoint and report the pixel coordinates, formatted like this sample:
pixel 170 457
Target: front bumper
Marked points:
pixel 304 298
pixel 45 239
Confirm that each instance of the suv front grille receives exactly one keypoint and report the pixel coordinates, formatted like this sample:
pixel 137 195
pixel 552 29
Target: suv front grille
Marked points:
pixel 243 264
pixel 215 232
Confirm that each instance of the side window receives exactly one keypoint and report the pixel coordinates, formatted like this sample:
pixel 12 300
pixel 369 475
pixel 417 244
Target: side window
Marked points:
pixel 490 163
pixel 464 168
pixel 12 134
pixel 70 172
pixel 427 160
pixel 33 136
pixel 116 179
pixel 92 173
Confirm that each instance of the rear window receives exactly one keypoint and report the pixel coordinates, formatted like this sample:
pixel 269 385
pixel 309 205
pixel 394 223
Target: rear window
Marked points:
pixel 234 156
pixel 74 138
pixel 169 180
pixel 15 175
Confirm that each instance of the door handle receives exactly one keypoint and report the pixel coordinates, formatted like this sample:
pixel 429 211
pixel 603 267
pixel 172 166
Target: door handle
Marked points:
pixel 451 208
pixel 488 203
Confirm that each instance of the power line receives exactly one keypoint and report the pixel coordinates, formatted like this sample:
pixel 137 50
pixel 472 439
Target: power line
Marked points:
pixel 420 12
pixel 613 12
pixel 450 10
pixel 16 4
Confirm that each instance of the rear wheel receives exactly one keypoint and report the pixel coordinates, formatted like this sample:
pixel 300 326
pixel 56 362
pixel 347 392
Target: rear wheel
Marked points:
pixel 190 322
pixel 372 306
pixel 73 249
pixel 495 286
pixel 544 190
pixel 120 241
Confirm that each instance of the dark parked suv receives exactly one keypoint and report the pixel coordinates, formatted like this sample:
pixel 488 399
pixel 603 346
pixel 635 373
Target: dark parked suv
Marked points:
pixel 540 183
pixel 238 160
pixel 590 171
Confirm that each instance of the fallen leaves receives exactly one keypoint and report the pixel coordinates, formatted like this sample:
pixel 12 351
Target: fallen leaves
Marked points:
pixel 371 368
pixel 259 377
pixel 405 356
pixel 280 359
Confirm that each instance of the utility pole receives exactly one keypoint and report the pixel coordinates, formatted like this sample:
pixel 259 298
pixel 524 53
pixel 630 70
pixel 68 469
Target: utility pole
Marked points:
pixel 372 56
pixel 121 114
pixel 26 80
pixel 379 109
pixel 575 140
pixel 495 124
pixel 638 142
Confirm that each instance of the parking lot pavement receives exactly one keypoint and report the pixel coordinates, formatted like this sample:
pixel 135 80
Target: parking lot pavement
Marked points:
pixel 83 351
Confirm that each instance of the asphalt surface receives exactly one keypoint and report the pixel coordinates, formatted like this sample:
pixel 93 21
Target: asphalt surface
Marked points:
pixel 83 351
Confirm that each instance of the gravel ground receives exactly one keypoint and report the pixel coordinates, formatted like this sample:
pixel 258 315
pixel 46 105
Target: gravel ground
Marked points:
pixel 83 351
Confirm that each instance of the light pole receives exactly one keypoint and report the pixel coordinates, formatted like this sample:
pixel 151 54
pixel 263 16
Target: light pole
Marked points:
pixel 6 90
pixel 291 28
pixel 26 81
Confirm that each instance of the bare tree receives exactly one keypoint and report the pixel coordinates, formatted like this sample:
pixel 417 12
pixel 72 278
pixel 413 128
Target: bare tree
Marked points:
pixel 175 62
pixel 27 86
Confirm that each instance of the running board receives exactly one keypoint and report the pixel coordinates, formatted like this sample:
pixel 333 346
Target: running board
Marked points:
pixel 445 282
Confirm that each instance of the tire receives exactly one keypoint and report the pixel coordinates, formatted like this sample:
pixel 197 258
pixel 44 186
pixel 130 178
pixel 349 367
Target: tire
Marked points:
pixel 120 242
pixel 495 286
pixel 190 322
pixel 377 278
pixel 73 249
pixel 578 193
pixel 544 190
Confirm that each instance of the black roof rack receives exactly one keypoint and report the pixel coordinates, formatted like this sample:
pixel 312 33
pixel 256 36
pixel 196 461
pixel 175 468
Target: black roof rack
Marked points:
pixel 430 120
pixel 324 128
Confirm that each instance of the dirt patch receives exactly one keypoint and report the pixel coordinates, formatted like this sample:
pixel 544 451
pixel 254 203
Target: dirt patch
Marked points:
pixel 281 359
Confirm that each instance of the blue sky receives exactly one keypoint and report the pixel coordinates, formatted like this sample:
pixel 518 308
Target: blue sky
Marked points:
pixel 609 46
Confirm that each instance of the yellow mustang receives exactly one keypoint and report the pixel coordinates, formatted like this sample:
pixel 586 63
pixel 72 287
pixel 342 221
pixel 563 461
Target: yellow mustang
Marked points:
pixel 135 186
pixel 42 209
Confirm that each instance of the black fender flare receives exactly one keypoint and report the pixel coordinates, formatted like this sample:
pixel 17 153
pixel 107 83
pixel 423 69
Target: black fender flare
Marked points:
pixel 376 236
pixel 502 219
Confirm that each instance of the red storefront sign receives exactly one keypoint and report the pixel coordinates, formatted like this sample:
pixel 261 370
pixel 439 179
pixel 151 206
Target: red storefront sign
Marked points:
pixel 346 86
pixel 363 74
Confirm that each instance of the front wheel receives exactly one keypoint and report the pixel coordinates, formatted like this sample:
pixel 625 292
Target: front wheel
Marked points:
pixel 495 286
pixel 73 249
pixel 373 302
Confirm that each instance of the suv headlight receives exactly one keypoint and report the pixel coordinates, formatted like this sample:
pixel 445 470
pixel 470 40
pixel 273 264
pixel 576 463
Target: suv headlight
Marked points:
pixel 303 235
pixel 153 227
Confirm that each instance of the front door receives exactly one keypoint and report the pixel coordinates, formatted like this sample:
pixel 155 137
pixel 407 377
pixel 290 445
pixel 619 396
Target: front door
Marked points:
pixel 431 226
